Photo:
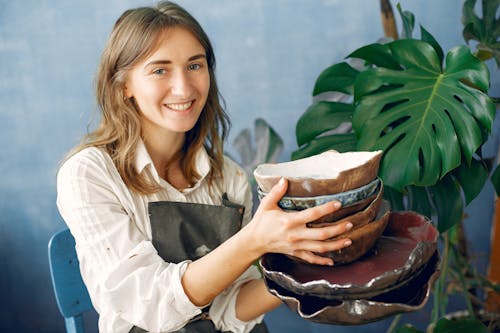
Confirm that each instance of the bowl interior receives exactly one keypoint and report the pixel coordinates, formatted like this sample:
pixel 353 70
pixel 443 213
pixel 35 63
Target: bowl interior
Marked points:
pixel 325 173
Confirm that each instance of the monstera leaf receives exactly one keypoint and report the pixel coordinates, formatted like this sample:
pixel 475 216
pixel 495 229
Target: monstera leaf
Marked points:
pixel 322 126
pixel 429 113
pixel 426 118
pixel 485 30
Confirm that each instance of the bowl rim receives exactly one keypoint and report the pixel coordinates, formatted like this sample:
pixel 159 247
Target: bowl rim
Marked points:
pixel 375 183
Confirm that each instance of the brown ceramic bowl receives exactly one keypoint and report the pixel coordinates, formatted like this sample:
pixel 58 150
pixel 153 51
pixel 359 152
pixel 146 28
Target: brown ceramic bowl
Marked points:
pixel 407 244
pixel 363 238
pixel 410 296
pixel 323 174
pixel 360 216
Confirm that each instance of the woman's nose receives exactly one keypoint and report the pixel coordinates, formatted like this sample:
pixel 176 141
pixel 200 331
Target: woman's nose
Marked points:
pixel 180 84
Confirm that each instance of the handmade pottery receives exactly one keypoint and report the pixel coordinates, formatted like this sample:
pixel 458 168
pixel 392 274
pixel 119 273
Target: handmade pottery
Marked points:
pixel 411 296
pixel 323 174
pixel 358 216
pixel 363 238
pixel 408 241
pixel 346 199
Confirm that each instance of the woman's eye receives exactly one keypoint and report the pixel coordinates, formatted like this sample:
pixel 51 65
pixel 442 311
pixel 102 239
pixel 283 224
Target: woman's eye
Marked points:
pixel 159 71
pixel 193 67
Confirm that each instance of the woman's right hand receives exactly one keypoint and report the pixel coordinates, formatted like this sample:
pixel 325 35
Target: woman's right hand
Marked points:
pixel 278 231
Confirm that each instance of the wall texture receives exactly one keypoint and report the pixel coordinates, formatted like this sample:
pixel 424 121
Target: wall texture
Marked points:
pixel 269 54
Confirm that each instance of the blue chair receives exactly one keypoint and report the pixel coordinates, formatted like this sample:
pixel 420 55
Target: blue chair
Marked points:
pixel 71 294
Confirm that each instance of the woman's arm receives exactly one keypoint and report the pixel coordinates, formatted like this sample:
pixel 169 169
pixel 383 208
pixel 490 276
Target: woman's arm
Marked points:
pixel 254 300
pixel 271 230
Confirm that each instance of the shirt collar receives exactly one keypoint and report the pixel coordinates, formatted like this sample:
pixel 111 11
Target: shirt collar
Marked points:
pixel 143 160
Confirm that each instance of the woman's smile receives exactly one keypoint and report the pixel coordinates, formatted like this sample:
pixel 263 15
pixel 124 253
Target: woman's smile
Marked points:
pixel 179 106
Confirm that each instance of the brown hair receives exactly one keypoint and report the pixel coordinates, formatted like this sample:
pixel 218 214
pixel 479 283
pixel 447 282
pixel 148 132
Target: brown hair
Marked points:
pixel 133 38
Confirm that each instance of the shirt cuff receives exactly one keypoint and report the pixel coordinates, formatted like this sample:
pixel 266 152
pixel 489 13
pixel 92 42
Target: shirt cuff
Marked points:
pixel 223 309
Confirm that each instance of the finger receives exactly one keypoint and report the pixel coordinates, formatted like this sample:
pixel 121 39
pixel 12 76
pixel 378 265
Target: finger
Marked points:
pixel 324 246
pixel 327 232
pixel 313 258
pixel 314 213
pixel 276 193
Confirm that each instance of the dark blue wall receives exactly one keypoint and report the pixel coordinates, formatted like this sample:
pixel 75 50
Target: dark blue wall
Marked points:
pixel 269 55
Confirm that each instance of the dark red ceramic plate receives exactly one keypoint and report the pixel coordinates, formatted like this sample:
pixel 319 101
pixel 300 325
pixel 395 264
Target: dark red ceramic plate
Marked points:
pixel 411 296
pixel 408 242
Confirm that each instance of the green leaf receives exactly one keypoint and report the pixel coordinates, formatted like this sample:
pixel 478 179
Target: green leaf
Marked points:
pixel 338 77
pixel 427 37
pixel 395 198
pixel 447 202
pixel 475 28
pixel 464 325
pixel 423 118
pixel 495 179
pixel 376 54
pixel 485 30
pixel 408 21
pixel 419 201
pixel 339 142
pixel 321 117
pixel 471 178
pixel 407 329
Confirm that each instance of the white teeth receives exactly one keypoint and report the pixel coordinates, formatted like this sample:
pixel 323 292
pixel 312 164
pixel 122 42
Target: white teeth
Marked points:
pixel 179 107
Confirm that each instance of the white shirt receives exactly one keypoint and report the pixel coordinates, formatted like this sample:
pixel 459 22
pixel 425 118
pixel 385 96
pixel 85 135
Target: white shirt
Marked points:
pixel 128 282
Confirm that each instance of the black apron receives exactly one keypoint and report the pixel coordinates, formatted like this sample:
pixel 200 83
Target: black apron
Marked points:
pixel 183 231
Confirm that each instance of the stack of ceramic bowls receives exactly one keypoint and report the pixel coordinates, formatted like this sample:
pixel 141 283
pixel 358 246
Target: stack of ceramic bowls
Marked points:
pixel 350 178
pixel 388 269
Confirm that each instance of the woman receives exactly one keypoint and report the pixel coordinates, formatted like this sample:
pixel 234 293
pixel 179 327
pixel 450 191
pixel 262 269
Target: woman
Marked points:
pixel 156 209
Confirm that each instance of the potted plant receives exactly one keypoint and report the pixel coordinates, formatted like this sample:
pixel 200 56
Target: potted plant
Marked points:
pixel 431 115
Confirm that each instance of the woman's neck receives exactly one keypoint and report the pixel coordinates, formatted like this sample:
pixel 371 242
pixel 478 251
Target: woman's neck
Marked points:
pixel 165 149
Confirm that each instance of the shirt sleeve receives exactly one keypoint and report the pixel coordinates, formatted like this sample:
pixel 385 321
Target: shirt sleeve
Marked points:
pixel 223 308
pixel 123 272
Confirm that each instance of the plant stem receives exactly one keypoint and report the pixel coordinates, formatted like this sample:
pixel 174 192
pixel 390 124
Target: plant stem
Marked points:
pixel 465 287
pixel 439 287
pixel 394 323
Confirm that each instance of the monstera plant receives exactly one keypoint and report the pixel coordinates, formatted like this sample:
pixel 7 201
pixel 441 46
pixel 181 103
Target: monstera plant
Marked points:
pixel 431 115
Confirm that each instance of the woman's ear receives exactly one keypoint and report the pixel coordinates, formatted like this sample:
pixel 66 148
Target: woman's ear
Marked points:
pixel 126 92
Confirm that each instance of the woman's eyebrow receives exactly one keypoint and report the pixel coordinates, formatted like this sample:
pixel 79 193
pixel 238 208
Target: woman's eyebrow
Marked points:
pixel 166 62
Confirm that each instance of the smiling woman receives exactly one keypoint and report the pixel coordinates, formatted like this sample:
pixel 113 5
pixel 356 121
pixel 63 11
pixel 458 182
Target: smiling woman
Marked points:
pixel 170 88
pixel 161 219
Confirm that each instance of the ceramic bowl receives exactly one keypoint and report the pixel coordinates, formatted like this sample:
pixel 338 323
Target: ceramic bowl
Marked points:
pixel 343 212
pixel 363 238
pixel 408 242
pixel 347 198
pixel 323 174
pixel 357 215
pixel 409 297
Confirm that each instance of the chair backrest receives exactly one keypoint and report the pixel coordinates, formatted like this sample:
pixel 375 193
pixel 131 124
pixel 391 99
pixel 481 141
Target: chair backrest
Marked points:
pixel 71 294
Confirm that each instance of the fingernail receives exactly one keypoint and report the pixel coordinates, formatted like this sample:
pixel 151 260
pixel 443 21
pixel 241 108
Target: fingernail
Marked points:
pixel 330 263
pixel 347 242
pixel 336 204
pixel 281 182
pixel 348 226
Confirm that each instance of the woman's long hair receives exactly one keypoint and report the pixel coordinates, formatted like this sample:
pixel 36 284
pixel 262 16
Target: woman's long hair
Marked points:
pixel 134 37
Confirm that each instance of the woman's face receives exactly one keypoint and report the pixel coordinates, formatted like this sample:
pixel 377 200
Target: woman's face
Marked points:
pixel 170 87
